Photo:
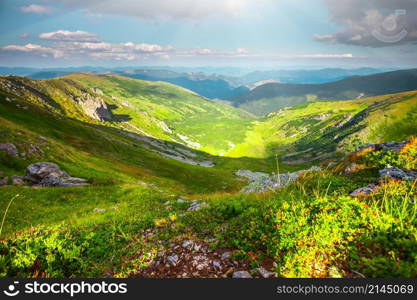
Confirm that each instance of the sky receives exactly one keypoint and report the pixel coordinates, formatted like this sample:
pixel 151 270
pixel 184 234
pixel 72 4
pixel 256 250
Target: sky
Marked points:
pixel 264 33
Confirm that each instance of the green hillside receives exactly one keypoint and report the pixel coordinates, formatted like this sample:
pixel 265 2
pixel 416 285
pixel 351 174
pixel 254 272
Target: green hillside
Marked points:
pixel 324 128
pixel 163 169
pixel 154 109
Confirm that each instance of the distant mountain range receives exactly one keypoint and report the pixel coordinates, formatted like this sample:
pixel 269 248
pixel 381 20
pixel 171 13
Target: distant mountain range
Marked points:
pixel 212 83
pixel 305 76
pixel 273 96
pixel 208 85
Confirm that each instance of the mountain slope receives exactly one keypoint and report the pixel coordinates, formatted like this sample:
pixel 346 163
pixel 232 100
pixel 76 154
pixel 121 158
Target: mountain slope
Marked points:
pixel 318 129
pixel 274 96
pixel 164 115
pixel 154 109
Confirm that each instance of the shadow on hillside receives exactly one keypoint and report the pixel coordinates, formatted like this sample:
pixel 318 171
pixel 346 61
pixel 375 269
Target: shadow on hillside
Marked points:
pixel 117 117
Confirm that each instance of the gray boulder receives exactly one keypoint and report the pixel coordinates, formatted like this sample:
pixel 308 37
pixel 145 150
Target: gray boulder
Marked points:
pixel 35 173
pixel 364 191
pixel 398 174
pixel 10 149
pixel 49 174
pixel 172 259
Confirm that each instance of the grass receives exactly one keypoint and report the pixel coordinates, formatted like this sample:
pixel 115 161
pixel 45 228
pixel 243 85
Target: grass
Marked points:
pixel 309 230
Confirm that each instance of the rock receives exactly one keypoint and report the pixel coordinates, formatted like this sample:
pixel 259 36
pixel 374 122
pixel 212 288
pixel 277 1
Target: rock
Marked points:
pixel 195 205
pixel 352 168
pixel 265 273
pixel 321 117
pixel 262 182
pixel 49 174
pixel 42 139
pixel 331 164
pixel 10 149
pixel 216 264
pixel 34 149
pixel 36 172
pixel 364 191
pixel 172 259
pixel 99 210
pixel 188 244
pixel 241 274
pixel 4 180
pixel 17 180
pixel 181 200
pixel 391 146
pixel 398 174
pixel 94 107
pixel 197 247
pixel 226 255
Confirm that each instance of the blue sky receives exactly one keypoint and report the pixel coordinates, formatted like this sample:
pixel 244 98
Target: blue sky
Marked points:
pixel 317 33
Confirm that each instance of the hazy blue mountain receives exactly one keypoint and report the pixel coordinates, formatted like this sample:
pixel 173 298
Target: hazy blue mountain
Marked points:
pixel 208 85
pixel 273 96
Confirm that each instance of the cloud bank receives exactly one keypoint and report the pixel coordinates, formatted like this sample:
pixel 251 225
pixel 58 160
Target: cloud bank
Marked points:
pixel 65 35
pixel 85 45
pixel 372 23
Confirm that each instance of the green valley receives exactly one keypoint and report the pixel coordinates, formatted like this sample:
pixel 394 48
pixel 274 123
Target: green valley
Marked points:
pixel 166 183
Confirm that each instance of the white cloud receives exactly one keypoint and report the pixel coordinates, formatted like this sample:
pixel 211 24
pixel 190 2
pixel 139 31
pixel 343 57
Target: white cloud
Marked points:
pixel 65 35
pixel 36 9
pixel 175 9
pixel 85 45
pixel 34 49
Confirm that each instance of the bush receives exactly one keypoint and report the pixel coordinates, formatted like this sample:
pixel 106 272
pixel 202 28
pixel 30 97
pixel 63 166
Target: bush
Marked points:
pixel 45 253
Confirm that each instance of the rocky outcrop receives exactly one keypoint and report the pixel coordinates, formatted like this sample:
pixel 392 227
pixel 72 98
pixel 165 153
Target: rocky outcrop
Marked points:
pixel 262 182
pixel 49 174
pixel 10 149
pixel 398 174
pixel 391 146
pixel 385 174
pixel 94 107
